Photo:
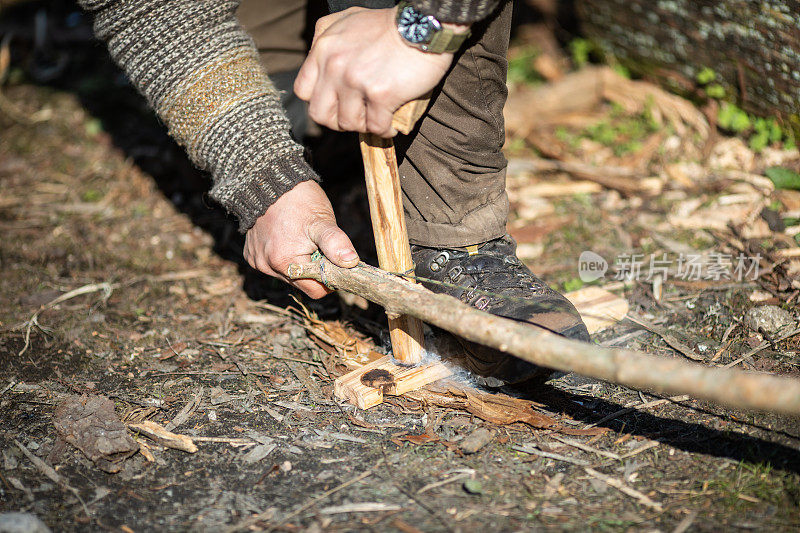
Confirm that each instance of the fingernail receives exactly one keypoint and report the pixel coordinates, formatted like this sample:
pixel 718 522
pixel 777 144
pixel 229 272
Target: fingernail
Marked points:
pixel 348 256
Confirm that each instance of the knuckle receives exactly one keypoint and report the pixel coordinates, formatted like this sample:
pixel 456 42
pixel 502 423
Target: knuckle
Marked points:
pixel 378 92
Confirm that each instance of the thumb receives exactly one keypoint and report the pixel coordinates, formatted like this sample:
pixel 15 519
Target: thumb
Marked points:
pixel 334 244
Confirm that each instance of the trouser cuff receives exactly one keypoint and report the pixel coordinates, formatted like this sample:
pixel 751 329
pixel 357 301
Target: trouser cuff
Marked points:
pixel 479 225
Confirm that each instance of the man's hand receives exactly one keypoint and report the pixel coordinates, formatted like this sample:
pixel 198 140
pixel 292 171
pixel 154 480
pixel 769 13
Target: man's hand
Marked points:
pixel 359 71
pixel 294 227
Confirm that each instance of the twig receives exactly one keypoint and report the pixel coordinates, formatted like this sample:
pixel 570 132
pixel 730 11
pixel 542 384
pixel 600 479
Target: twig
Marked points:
pixel 581 446
pixel 762 346
pixel 670 339
pixel 245 524
pixel 746 390
pixel 107 289
pixel 395 481
pixel 639 407
pixel 622 487
pixel 550 455
pixel 296 359
pixel 32 322
pixel 184 414
pixel 51 474
pixel 640 449
pixel 162 436
pixel 9 387
pixel 447 481
pixel 233 441
pixel 362 507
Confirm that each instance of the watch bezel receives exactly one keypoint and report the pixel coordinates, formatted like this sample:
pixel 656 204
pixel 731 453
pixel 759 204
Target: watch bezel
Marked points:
pixel 406 27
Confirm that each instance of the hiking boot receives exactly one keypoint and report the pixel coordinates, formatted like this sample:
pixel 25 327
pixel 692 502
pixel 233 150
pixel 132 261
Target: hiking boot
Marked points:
pixel 490 277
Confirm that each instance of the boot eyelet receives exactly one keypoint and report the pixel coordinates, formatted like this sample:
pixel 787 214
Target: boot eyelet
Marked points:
pixel 441 260
pixel 455 273
pixel 481 302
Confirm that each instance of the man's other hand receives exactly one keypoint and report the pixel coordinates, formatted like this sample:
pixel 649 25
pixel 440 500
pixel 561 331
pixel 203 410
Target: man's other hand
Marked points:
pixel 294 227
pixel 359 71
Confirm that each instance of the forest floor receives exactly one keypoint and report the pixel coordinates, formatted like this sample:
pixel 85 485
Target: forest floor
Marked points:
pixel 166 321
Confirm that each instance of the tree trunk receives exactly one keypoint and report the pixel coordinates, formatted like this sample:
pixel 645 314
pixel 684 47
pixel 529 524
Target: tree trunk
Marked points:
pixel 753 47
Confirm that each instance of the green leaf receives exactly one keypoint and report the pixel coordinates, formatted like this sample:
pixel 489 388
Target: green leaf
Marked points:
pixel 715 90
pixel 783 178
pixel 473 486
pixel 732 118
pixel 759 141
pixel 741 122
pixel 706 75
pixel 580 49
pixel 573 285
pixel 775 131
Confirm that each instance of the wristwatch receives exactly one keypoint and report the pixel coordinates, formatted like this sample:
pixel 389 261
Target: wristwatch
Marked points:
pixel 425 32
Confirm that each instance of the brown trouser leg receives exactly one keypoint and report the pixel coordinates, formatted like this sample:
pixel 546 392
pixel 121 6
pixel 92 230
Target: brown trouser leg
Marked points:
pixel 452 167
pixel 453 171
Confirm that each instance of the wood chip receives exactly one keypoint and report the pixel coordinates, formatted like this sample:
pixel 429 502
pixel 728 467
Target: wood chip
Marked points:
pixel 365 507
pixel 258 453
pixel 340 436
pixel 476 440
pixel 166 438
pixel 315 393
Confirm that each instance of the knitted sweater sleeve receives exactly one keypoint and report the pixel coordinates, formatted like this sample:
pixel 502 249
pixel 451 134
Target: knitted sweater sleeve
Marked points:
pixel 457 11
pixel 199 70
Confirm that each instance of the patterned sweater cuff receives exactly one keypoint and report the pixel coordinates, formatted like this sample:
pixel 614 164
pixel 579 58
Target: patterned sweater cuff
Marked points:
pixel 249 199
pixel 457 11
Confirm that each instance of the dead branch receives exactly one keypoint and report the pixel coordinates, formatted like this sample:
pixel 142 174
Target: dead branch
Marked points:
pixel 624 180
pixel 638 370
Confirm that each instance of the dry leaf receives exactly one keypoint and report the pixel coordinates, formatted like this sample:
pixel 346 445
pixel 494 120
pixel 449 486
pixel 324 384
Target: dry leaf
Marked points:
pixel 90 424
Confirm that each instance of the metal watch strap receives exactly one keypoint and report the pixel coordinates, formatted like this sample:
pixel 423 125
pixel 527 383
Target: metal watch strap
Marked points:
pixel 446 41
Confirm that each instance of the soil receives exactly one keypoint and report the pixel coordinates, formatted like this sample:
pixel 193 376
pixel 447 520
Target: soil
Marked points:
pixel 95 193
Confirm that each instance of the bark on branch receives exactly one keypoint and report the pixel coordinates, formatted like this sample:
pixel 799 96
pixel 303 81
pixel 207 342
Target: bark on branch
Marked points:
pixel 734 388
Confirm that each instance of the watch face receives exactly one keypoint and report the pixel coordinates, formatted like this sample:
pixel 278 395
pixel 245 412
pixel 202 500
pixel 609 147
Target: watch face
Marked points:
pixel 415 27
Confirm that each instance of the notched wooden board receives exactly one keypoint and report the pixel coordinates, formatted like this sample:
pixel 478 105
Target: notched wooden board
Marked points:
pixel 387 378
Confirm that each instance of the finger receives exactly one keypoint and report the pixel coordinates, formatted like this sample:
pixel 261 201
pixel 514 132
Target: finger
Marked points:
pixel 280 270
pixel 334 243
pixel 352 112
pixel 312 288
pixel 306 79
pixel 379 121
pixel 323 106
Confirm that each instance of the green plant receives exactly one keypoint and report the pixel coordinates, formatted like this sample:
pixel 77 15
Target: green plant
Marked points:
pixel 521 68
pixel 733 119
pixel 706 76
pixel 716 91
pixel 580 49
pixel 92 195
pixel 783 178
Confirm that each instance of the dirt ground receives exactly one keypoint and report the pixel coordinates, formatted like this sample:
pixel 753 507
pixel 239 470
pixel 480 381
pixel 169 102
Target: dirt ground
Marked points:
pixel 170 325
